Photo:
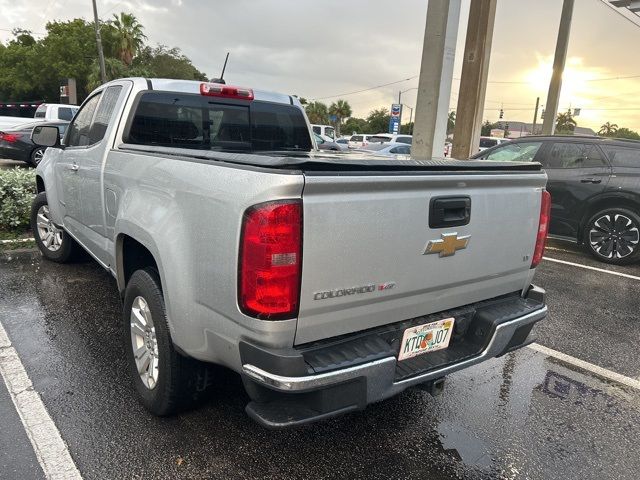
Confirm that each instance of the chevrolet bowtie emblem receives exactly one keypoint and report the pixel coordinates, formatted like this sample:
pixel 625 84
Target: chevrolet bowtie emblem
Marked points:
pixel 448 245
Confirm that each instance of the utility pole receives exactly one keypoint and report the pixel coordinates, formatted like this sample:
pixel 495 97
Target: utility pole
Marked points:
pixel 103 70
pixel 553 97
pixel 473 82
pixel 535 117
pixel 436 74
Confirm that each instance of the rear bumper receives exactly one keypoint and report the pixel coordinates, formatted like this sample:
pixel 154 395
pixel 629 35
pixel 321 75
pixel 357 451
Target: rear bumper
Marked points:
pixel 284 399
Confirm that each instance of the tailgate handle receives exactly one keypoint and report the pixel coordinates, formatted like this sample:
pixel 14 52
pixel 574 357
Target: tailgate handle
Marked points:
pixel 449 212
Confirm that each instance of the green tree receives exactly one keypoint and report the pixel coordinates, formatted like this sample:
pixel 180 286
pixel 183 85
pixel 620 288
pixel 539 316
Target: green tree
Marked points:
pixel 355 125
pixel 129 35
pixel 624 132
pixel 486 128
pixel 451 122
pixel 608 129
pixel 342 110
pixel 31 69
pixel 164 62
pixel 565 123
pixel 378 120
pixel 407 128
pixel 317 112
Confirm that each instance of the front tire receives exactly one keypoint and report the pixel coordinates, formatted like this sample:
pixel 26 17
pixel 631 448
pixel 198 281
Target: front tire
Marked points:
pixel 36 156
pixel 53 242
pixel 613 236
pixel 166 382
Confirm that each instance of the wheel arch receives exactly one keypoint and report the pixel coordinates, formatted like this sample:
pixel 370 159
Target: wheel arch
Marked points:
pixel 40 184
pixel 627 200
pixel 132 255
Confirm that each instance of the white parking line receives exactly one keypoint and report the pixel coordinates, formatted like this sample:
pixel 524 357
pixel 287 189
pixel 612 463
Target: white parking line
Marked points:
pixel 18 240
pixel 602 270
pixel 590 367
pixel 52 452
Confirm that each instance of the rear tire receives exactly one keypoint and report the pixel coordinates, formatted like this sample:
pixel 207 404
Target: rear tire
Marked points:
pixel 53 242
pixel 613 236
pixel 166 382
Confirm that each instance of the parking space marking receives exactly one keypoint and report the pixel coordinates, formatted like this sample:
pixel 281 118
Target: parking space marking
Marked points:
pixel 51 451
pixel 590 367
pixel 18 240
pixel 556 249
pixel 602 270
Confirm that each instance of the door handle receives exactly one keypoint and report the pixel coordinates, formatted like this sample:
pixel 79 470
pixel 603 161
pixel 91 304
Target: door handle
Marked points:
pixel 74 167
pixel 590 180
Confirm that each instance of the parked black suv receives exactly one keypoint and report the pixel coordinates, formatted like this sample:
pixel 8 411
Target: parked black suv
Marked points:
pixel 595 189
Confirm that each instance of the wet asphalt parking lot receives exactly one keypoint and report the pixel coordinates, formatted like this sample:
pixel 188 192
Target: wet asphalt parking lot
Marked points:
pixel 525 415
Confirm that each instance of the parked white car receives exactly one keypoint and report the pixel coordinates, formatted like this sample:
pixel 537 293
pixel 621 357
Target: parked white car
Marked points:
pixel 488 142
pixel 391 138
pixel 56 111
pixel 389 150
pixel 325 131
pixel 359 140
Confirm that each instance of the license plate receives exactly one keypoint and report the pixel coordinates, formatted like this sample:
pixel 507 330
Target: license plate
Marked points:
pixel 426 338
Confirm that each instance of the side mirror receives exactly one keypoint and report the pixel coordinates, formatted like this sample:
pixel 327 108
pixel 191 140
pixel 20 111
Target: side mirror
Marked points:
pixel 46 136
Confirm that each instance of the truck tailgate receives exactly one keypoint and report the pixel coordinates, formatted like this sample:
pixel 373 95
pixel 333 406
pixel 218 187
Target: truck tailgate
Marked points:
pixel 365 236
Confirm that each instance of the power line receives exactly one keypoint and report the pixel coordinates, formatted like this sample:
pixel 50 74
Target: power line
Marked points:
pixel 366 89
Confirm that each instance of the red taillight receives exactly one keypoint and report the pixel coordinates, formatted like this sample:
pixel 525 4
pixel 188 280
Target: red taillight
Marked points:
pixel 543 228
pixel 227 91
pixel 271 260
pixel 9 137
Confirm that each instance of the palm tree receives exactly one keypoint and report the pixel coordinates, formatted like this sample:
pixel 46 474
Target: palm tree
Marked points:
pixel 317 113
pixel 608 129
pixel 565 123
pixel 342 110
pixel 129 36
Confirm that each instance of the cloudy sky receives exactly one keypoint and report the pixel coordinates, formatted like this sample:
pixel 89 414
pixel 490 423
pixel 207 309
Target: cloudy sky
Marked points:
pixel 325 50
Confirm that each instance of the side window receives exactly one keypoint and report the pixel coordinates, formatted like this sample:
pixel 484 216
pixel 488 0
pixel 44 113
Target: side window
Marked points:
pixel 356 138
pixel 78 134
pixel 402 150
pixel 317 130
pixel 514 152
pixel 623 157
pixel 65 113
pixel 574 155
pixel 404 140
pixel 103 114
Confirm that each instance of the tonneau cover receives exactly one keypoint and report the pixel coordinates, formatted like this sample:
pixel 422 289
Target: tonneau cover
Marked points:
pixel 313 161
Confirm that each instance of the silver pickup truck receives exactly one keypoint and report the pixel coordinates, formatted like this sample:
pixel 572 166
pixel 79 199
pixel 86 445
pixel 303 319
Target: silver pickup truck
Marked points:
pixel 327 282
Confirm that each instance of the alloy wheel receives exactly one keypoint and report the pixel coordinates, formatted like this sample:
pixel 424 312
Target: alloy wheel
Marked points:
pixel 144 342
pixel 614 235
pixel 48 232
pixel 37 156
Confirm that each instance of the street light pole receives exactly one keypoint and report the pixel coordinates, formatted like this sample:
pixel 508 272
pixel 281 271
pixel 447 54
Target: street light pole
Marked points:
pixel 553 97
pixel 103 70
pixel 535 117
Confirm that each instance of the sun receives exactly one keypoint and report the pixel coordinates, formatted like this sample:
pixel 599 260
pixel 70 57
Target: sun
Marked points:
pixel 575 79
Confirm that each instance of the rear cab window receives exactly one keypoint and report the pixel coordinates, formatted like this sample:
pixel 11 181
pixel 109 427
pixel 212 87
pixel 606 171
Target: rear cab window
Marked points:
pixel 379 139
pixel 488 142
pixel 197 122
pixel 65 113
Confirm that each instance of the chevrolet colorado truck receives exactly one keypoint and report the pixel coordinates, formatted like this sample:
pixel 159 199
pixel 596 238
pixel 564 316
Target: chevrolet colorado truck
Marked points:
pixel 326 282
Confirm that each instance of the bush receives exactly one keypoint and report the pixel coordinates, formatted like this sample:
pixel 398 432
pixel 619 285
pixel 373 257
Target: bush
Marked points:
pixel 17 189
